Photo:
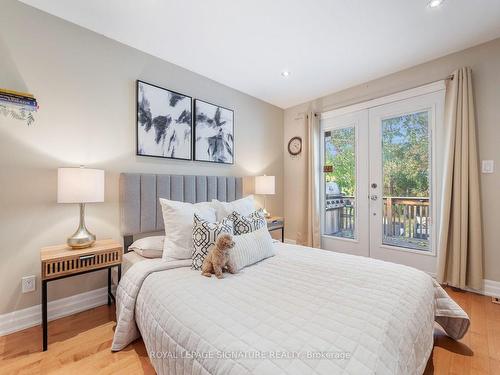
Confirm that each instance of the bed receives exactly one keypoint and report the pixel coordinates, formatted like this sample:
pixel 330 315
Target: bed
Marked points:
pixel 128 260
pixel 302 311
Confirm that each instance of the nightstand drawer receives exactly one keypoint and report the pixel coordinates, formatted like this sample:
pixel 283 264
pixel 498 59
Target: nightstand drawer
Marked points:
pixel 60 267
pixel 274 224
pixel 76 261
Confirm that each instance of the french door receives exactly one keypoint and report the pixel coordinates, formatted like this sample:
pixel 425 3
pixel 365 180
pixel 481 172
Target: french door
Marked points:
pixel 379 181
pixel 344 202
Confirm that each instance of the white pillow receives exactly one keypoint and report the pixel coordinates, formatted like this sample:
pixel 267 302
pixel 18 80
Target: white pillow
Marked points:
pixel 148 247
pixel 178 221
pixel 251 248
pixel 244 206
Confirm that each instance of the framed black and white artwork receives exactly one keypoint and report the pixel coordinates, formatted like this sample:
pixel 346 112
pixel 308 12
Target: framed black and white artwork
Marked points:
pixel 213 133
pixel 164 122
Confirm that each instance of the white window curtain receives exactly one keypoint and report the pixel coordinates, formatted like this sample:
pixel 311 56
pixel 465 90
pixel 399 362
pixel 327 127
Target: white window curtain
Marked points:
pixel 311 235
pixel 460 256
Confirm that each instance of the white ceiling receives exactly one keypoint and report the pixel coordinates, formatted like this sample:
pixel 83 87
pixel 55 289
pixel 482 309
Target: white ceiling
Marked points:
pixel 328 45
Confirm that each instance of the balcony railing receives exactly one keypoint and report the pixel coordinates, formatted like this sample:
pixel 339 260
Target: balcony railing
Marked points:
pixel 406 221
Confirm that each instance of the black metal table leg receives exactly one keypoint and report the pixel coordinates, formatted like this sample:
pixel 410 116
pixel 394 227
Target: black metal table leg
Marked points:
pixel 109 286
pixel 283 234
pixel 44 314
pixel 111 297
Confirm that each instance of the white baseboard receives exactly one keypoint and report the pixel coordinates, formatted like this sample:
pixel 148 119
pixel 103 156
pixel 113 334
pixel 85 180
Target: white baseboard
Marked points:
pixel 290 241
pixel 32 316
pixel 491 288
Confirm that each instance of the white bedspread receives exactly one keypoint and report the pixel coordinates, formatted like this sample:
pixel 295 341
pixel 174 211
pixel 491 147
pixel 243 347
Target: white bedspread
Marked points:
pixel 354 315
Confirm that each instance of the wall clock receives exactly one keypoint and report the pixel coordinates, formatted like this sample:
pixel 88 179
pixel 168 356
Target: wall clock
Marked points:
pixel 295 146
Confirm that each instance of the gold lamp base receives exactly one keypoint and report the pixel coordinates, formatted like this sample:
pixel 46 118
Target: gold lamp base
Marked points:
pixel 267 215
pixel 82 238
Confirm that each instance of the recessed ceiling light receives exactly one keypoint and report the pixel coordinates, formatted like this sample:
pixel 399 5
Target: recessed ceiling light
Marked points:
pixel 435 3
pixel 285 73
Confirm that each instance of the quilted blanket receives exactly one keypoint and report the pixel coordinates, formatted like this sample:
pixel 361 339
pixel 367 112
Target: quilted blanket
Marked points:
pixel 303 311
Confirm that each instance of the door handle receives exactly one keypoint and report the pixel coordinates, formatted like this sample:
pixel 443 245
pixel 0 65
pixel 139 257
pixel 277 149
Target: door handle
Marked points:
pixel 373 197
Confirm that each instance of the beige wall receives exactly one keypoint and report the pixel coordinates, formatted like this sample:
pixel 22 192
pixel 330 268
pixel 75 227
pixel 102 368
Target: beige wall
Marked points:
pixel 485 63
pixel 85 84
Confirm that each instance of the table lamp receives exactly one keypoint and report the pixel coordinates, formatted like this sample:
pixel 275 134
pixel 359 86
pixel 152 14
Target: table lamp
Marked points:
pixel 80 185
pixel 265 185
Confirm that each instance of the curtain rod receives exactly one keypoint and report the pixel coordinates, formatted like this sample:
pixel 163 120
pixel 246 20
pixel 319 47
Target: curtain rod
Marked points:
pixel 448 78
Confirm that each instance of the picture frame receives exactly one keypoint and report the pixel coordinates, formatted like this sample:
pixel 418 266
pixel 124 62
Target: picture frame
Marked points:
pixel 164 122
pixel 213 140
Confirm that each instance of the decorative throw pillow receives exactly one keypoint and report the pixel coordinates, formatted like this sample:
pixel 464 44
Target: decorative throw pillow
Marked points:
pixel 251 248
pixel 244 206
pixel 178 221
pixel 204 235
pixel 247 224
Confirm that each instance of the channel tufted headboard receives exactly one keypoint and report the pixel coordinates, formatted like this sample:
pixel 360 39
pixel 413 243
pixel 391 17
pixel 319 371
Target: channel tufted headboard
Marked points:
pixel 140 208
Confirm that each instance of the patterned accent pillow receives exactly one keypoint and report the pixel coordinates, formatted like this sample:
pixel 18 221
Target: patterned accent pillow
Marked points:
pixel 204 235
pixel 246 224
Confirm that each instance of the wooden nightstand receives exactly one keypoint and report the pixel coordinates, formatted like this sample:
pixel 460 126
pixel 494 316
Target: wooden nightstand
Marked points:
pixel 276 223
pixel 59 262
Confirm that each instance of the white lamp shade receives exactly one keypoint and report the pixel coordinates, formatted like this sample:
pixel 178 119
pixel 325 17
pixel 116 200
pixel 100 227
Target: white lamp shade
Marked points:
pixel 265 185
pixel 80 185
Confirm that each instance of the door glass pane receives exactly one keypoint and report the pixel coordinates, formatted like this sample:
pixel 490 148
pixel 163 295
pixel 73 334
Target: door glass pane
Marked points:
pixel 406 176
pixel 340 183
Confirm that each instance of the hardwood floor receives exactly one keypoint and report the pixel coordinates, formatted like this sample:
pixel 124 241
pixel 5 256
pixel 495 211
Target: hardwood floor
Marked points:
pixel 479 351
pixel 80 344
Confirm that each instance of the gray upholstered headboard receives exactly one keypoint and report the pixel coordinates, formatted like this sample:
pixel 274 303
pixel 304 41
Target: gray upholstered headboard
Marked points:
pixel 139 197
